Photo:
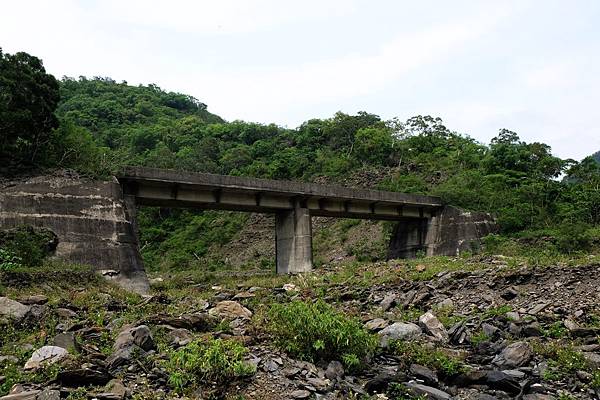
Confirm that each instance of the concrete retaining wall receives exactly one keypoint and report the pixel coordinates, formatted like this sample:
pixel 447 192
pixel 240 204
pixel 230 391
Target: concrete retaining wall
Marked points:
pixel 449 233
pixel 89 218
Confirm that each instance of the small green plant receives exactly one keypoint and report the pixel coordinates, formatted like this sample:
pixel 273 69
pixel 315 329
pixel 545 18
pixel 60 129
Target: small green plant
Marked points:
pixel 479 337
pixel 563 359
pixel 417 353
pixel 316 331
pixel 556 330
pixel 595 379
pixel 214 360
pixel 9 261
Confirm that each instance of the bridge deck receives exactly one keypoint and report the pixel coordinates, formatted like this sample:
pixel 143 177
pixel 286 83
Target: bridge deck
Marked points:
pixel 162 187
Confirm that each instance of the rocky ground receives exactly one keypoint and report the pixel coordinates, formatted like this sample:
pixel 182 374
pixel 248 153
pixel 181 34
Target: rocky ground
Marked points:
pixel 465 328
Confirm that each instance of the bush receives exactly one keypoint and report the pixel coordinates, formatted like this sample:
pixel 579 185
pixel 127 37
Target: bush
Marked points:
pixel 27 246
pixel 9 261
pixel 315 331
pixel 215 360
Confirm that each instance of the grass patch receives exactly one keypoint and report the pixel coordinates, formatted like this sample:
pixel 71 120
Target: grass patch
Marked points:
pixel 563 359
pixel 316 331
pixel 212 361
pixel 417 353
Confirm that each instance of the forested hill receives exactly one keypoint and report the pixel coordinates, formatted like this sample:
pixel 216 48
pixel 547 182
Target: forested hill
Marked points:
pixel 596 156
pixel 99 125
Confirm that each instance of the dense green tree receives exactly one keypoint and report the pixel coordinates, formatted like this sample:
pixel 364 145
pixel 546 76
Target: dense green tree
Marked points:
pixel 28 98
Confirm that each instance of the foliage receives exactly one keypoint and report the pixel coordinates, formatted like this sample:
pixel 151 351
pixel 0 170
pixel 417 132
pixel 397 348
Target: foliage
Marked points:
pixel 200 362
pixel 417 353
pixel 316 331
pixel 28 98
pixel 563 358
pixel 25 246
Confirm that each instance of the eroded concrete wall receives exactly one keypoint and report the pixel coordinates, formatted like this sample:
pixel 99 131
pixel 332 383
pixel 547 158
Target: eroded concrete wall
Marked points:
pixel 450 232
pixel 90 218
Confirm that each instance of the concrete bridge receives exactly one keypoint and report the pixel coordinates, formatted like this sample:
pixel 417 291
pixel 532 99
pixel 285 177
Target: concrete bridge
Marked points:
pixel 95 220
pixel 293 204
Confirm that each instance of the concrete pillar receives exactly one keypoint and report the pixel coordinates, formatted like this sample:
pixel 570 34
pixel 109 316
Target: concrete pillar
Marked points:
pixel 293 241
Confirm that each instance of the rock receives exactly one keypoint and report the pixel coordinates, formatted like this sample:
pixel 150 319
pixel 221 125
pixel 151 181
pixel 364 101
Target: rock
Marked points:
pixel 501 381
pixel 433 326
pixel 66 341
pixel 49 394
pixel 290 287
pixel 380 383
pixel 300 394
pixel 201 322
pixel 38 299
pixel 376 324
pixel 122 357
pixel 270 366
pixel 65 313
pixel 388 302
pixel 45 355
pixel 26 395
pixel 514 355
pixel 533 329
pixel 593 359
pixel 83 377
pixel 139 336
pixel 425 374
pixel 180 337
pixel 230 309
pixel 489 330
pixel 509 294
pixel 446 304
pixel 398 330
pixel 13 309
pixel 114 390
pixel 244 295
pixel 427 391
pixel 537 308
pixel 335 370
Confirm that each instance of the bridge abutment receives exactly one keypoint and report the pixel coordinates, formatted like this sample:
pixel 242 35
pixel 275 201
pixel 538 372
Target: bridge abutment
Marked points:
pixel 293 241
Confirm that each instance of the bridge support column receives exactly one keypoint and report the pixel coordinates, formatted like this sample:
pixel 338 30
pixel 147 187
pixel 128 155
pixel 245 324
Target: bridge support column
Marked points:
pixel 293 241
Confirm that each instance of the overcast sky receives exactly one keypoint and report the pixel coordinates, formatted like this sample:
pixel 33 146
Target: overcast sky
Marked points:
pixel 529 66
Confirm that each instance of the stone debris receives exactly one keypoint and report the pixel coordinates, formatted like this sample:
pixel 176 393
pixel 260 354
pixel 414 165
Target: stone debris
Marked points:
pixel 46 355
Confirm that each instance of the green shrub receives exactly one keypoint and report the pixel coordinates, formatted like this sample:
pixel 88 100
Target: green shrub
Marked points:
pixel 315 331
pixel 215 360
pixel 9 261
pixel 417 353
pixel 27 244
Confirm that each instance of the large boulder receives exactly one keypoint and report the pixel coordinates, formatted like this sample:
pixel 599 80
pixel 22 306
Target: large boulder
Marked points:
pixel 44 356
pixel 230 309
pixel 398 331
pixel 433 327
pixel 515 355
pixel 13 310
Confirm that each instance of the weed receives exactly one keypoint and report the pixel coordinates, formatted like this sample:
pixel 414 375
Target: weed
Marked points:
pixel 316 331
pixel 215 360
pixel 563 359
pixel 417 353
pixel 479 337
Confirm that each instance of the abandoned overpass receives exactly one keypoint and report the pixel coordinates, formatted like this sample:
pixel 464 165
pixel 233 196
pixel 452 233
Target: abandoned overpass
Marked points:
pixel 293 204
pixel 95 221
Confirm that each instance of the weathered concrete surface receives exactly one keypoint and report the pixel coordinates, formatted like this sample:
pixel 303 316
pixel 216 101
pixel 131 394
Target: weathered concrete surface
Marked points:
pixel 89 218
pixel 293 241
pixel 448 233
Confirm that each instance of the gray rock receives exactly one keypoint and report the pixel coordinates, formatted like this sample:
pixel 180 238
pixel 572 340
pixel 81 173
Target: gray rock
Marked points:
pixel 433 326
pixel 83 377
pixel 26 395
pixel 427 391
pixel 425 374
pixel 45 355
pixel 376 324
pixel 139 336
pixel 13 309
pixel 398 330
pixel 514 355
pixel 65 313
pixel 388 302
pixel 593 359
pixel 335 370
pixel 180 337
pixel 66 341
pixel 49 394
pixel 35 299
pixel 230 309
pixel 300 394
